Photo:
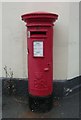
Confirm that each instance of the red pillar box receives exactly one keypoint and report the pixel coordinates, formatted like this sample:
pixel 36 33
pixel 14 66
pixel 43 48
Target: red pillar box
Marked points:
pixel 40 59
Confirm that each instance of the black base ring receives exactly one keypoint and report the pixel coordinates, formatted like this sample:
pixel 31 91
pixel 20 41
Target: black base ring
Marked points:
pixel 40 104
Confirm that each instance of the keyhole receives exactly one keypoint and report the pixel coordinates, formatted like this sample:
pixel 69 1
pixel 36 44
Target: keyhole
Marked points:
pixel 48 64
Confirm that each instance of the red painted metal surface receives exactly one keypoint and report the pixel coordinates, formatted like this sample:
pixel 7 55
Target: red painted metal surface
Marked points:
pixel 40 52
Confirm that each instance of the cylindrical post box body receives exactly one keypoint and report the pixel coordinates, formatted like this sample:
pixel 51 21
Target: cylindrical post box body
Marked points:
pixel 40 59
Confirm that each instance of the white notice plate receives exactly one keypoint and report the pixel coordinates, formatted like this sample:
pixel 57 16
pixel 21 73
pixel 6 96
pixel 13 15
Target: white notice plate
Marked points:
pixel 38 48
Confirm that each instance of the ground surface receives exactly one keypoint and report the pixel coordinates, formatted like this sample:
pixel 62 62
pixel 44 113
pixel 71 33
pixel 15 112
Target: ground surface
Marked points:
pixel 17 107
pixel 0 99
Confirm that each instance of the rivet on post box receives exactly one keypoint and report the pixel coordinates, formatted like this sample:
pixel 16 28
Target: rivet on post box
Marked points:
pixel 40 59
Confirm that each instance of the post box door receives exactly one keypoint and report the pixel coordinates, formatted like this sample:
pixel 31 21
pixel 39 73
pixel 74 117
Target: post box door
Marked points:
pixel 40 65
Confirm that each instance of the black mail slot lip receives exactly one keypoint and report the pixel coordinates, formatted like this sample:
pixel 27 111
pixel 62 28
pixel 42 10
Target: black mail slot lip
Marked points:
pixel 37 33
pixel 38 36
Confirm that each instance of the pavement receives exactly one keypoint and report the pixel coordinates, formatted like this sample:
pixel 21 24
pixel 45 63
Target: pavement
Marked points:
pixel 17 107
pixel 0 99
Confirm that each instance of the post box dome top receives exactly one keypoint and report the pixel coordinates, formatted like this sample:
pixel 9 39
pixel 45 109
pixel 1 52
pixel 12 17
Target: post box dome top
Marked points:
pixel 45 16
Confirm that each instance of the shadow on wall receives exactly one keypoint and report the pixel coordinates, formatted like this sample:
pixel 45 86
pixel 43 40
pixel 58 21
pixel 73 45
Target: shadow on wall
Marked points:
pixel 60 52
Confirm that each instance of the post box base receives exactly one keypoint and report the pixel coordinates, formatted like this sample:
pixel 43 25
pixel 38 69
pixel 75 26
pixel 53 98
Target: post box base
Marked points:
pixel 40 104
